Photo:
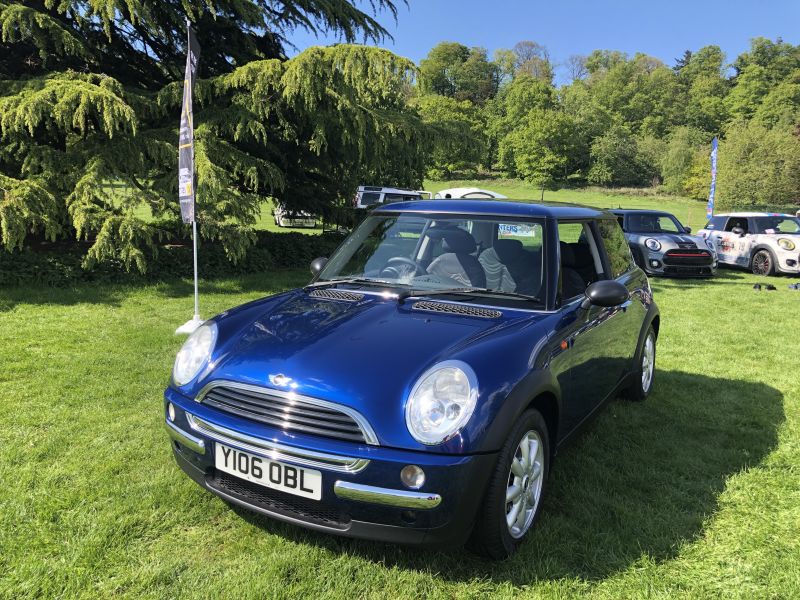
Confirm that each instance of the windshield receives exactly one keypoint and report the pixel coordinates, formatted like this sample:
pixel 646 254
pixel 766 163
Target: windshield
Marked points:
pixel 425 254
pixel 653 223
pixel 777 224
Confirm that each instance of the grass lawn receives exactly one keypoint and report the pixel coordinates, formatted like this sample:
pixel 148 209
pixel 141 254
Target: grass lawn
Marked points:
pixel 693 493
pixel 689 212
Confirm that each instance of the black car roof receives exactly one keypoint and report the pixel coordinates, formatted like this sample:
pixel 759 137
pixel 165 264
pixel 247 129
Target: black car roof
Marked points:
pixel 555 210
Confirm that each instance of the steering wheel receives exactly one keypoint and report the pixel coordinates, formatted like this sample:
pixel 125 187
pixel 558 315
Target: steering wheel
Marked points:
pixel 399 267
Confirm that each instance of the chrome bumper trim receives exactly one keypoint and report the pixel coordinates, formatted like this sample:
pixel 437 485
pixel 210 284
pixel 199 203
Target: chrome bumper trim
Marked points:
pixel 276 451
pixel 185 439
pixel 386 496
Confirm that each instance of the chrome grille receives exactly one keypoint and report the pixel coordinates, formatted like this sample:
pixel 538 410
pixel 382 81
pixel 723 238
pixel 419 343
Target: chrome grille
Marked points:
pixel 288 411
pixel 337 295
pixel 457 309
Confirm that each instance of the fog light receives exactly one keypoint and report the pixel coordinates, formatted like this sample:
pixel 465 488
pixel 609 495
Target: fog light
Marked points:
pixel 412 476
pixel 790 262
pixel 655 264
pixel 171 411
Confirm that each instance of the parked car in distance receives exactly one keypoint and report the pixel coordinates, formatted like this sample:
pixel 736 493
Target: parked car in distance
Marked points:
pixel 418 389
pixel 468 192
pixel 765 243
pixel 369 196
pixel 661 245
pixel 290 218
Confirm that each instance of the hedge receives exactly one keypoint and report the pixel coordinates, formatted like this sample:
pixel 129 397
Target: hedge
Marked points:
pixel 59 265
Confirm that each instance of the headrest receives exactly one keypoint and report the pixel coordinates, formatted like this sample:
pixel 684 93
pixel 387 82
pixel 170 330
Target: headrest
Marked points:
pixel 454 239
pixel 508 250
pixel 576 256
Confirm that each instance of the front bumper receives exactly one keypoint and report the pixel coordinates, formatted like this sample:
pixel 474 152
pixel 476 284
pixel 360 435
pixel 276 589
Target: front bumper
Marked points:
pixel 680 263
pixel 362 495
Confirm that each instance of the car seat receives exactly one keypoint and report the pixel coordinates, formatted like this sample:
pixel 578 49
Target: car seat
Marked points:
pixel 457 262
pixel 577 269
pixel 511 268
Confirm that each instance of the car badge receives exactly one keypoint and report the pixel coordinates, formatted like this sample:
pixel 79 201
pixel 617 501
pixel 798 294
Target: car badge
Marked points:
pixel 280 380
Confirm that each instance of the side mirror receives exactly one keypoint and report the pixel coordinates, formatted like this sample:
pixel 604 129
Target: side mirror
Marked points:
pixel 687 229
pixel 605 293
pixel 317 265
pixel 738 231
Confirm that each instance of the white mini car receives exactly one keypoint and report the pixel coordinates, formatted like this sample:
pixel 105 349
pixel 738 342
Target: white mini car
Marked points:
pixel 766 243
pixel 469 192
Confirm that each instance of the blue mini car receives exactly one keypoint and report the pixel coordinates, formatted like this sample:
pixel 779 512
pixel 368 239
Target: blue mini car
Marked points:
pixel 418 389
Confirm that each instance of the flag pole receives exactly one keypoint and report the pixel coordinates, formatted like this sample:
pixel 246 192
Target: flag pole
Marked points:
pixel 186 188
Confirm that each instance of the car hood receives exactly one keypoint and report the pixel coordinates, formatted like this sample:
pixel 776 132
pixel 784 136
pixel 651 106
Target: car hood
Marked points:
pixel 365 354
pixel 672 239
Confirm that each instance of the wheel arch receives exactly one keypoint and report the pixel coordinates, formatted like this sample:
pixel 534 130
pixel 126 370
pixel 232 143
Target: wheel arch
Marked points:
pixel 548 406
pixel 539 390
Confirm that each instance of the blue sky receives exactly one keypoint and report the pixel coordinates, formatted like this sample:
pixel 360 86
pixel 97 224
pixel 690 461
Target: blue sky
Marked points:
pixel 662 29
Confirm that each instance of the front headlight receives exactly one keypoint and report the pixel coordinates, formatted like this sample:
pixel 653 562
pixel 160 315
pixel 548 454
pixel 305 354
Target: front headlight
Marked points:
pixel 653 244
pixel 786 244
pixel 441 402
pixel 194 353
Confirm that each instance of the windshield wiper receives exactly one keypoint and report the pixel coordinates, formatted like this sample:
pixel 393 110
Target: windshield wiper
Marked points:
pixel 349 280
pixel 465 291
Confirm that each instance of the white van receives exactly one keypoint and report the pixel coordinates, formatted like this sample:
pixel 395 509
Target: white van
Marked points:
pixel 469 192
pixel 371 195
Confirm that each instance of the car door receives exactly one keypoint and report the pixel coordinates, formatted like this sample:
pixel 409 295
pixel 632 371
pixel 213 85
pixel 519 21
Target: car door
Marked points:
pixel 596 341
pixel 734 248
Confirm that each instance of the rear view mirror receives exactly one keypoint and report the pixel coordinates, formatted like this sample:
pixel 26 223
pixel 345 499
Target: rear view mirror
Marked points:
pixel 605 293
pixel 317 265
pixel 687 229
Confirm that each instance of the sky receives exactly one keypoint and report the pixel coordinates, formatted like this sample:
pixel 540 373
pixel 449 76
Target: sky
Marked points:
pixel 662 29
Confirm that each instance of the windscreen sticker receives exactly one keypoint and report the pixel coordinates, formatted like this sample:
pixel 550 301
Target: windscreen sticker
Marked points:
pixel 505 230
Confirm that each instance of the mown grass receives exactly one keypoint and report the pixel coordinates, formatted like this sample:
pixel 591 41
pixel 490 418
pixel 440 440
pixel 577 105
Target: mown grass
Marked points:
pixel 693 493
pixel 690 212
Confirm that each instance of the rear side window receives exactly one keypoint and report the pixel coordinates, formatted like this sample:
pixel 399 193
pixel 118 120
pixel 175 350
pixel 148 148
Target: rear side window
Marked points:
pixel 369 198
pixel 619 254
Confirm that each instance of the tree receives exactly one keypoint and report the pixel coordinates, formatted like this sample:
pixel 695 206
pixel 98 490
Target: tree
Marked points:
pixel 540 148
pixel 533 59
pixel 576 67
pixel 758 168
pixel 304 131
pixel 616 160
pixel 682 146
pixel 453 70
pixel 457 133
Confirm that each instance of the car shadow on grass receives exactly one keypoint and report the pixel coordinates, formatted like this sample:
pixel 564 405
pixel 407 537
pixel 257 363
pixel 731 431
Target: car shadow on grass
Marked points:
pixel 641 482
pixel 724 276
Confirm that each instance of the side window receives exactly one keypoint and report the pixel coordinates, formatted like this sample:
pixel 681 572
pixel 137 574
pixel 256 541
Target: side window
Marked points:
pixel 736 222
pixel 617 249
pixel 715 223
pixel 580 259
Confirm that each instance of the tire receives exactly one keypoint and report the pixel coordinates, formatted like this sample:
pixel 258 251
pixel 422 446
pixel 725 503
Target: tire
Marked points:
pixel 645 372
pixel 763 263
pixel 492 536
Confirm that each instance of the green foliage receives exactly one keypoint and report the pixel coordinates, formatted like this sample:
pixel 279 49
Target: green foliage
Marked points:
pixel 758 167
pixel 540 148
pixel 617 160
pixel 682 146
pixel 453 70
pixel 61 265
pixel 457 131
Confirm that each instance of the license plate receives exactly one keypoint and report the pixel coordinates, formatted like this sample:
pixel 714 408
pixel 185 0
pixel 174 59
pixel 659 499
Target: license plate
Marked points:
pixel 269 473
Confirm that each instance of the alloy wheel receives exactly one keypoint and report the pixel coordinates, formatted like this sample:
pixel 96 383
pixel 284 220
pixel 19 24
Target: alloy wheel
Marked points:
pixel 761 263
pixel 525 479
pixel 648 363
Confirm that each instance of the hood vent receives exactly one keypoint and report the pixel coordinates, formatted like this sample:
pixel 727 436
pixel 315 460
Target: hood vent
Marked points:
pixel 464 310
pixel 336 295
